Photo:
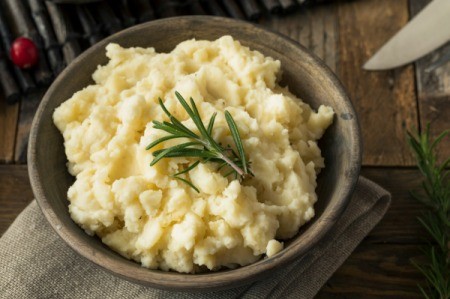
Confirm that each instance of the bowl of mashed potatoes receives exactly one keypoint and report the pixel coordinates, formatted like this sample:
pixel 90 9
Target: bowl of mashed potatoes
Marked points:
pixel 170 225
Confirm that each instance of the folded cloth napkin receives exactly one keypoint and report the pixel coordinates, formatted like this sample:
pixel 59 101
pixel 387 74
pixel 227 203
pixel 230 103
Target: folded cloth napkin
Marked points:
pixel 36 263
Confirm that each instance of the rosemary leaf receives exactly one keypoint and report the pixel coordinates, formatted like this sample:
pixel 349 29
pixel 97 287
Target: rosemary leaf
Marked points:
pixel 222 165
pixel 161 103
pixel 202 146
pixel 211 123
pixel 187 183
pixel 192 166
pixel 194 116
pixel 237 139
pixel 185 153
pixel 162 139
pixel 201 127
pixel 182 127
pixel 170 128
pixel 229 173
pixel 173 149
pixel 436 220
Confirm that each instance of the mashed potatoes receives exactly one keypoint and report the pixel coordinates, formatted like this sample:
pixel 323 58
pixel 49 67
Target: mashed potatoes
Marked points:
pixel 143 213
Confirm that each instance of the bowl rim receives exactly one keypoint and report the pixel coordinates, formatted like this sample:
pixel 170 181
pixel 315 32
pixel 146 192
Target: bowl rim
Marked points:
pixel 211 280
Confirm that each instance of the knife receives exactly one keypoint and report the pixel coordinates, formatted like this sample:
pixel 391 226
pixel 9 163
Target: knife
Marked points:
pixel 426 32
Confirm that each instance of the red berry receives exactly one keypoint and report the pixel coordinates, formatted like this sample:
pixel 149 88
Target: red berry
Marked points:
pixel 24 52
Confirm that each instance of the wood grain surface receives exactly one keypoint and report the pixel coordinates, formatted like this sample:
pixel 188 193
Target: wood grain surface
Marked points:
pixel 15 193
pixel 315 29
pixel 8 125
pixel 27 110
pixel 433 88
pixel 385 100
pixel 399 225
pixel 376 271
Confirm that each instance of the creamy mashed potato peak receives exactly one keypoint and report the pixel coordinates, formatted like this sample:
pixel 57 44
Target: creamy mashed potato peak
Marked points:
pixel 144 214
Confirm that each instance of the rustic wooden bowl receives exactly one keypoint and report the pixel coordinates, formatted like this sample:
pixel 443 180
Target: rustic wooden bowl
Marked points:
pixel 306 77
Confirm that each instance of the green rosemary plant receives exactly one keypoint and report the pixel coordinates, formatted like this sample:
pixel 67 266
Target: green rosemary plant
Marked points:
pixel 201 146
pixel 436 220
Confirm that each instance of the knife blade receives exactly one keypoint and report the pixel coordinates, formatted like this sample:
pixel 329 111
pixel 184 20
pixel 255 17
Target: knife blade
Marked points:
pixel 426 32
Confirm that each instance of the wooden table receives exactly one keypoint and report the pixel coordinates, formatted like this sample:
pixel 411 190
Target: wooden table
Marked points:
pixel 388 103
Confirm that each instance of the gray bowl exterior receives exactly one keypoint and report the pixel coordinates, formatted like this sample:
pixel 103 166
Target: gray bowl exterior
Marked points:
pixel 306 76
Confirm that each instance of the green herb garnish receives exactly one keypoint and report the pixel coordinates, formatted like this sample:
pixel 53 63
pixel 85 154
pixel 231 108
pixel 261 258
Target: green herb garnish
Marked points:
pixel 436 220
pixel 202 146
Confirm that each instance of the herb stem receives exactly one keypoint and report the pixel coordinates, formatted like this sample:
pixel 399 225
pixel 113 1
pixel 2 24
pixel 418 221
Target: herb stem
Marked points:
pixel 203 145
pixel 436 220
pixel 232 165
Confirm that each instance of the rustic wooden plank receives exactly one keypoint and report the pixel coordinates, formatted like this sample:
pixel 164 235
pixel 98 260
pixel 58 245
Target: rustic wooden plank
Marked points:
pixel 15 193
pixel 292 25
pixel 433 88
pixel 317 45
pixel 376 271
pixel 385 101
pixel 304 36
pixel 400 224
pixel 27 109
pixel 330 37
pixel 384 98
pixel 8 125
pixel 315 28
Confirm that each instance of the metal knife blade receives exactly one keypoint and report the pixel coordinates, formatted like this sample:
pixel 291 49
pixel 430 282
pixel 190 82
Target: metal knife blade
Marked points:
pixel 426 32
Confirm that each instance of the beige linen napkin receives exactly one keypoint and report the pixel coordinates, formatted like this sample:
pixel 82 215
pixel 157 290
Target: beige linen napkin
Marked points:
pixel 36 263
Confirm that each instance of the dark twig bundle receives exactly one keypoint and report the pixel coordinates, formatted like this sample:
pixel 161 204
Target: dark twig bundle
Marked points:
pixel 92 30
pixel 7 82
pixel 110 23
pixel 64 31
pixel 196 8
pixel 251 9
pixel 24 79
pixel 24 25
pixel 272 6
pixel 288 5
pixel 233 9
pixel 53 27
pixel 165 9
pixel 42 21
pixel 142 10
pixel 214 8
pixel 122 9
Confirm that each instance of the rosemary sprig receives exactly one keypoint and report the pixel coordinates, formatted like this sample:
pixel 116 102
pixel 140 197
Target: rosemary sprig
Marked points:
pixel 436 221
pixel 202 146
